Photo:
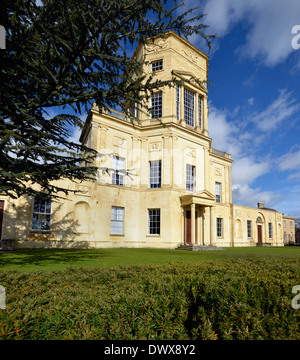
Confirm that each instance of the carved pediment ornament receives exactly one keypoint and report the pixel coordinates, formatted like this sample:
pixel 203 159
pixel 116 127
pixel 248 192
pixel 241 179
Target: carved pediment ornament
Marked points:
pixel 157 46
pixel 191 55
pixel 156 146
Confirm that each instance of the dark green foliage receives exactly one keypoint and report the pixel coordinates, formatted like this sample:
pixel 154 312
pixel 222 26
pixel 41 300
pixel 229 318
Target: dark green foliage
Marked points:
pixel 237 299
pixel 60 58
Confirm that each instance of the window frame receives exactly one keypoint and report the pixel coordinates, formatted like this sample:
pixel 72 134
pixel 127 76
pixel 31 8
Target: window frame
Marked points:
pixel 219 229
pixel 189 107
pixel 42 216
pixel 190 175
pixel 157 65
pixel 156 108
pixel 155 174
pixel 270 230
pixel 249 229
pixel 218 188
pixel 200 111
pixel 154 227
pixel 178 102
pixel 114 219
pixel 117 177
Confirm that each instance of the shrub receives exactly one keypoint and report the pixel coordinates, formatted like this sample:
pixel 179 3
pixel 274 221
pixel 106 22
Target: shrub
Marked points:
pixel 237 299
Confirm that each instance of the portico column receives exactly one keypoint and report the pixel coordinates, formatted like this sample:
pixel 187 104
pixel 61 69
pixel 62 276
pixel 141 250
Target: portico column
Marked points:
pixel 212 225
pixel 207 227
pixel 193 215
pixel 201 227
pixel 199 232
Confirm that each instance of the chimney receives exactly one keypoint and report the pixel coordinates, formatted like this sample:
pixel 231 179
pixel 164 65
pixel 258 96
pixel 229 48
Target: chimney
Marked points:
pixel 260 205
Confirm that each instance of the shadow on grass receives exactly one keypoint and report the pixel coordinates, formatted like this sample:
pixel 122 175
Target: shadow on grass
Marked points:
pixel 46 257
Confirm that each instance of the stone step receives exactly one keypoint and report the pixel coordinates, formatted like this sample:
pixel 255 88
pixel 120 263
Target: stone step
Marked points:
pixel 191 247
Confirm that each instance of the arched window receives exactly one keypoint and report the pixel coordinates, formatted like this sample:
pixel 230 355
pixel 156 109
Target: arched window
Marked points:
pixel 259 219
pixel 238 229
pixel 82 217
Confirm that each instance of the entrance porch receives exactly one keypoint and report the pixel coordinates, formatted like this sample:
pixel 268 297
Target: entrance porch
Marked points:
pixel 198 219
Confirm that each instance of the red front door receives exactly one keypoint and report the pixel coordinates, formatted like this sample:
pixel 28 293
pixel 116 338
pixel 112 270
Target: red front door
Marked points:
pixel 188 237
pixel 259 234
pixel 1 215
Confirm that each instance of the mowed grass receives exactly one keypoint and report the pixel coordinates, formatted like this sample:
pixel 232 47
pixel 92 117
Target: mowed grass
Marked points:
pixel 60 259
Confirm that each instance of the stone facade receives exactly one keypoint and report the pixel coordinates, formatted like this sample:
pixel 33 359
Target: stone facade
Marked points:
pixel 159 186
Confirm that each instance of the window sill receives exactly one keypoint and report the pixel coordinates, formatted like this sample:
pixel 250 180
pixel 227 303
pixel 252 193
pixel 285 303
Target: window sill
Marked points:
pixel 117 234
pixel 40 231
pixel 153 235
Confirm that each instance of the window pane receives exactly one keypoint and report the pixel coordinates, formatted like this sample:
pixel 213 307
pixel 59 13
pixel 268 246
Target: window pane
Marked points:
pixel 190 177
pixel 189 107
pixel 178 102
pixel 118 165
pixel 157 65
pixel 218 192
pixel 155 174
pixel 42 207
pixel 249 228
pixel 200 110
pixel 154 221
pixel 117 220
pixel 36 225
pixel 156 105
pixel 41 217
pixel 219 227
pixel 270 231
pixel 48 207
pixel 36 206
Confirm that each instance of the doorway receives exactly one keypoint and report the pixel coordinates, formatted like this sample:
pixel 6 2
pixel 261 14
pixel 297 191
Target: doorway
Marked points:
pixel 259 234
pixel 188 227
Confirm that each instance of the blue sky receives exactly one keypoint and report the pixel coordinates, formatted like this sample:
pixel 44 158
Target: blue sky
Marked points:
pixel 254 104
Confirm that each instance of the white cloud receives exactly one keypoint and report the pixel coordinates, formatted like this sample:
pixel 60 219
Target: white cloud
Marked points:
pixel 221 15
pixel 232 138
pixel 269 22
pixel 277 112
pixel 290 161
pixel 75 135
pixel 246 170
pixel 251 101
pixel 295 176
pixel 222 132
pixel 247 196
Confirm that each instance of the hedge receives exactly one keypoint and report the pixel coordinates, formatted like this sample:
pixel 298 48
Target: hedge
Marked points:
pixel 246 299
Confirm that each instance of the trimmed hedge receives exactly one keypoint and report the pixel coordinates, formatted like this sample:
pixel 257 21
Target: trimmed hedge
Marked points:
pixel 247 299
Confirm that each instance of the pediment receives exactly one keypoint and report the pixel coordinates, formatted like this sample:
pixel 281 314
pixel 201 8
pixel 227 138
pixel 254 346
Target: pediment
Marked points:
pixel 190 77
pixel 203 197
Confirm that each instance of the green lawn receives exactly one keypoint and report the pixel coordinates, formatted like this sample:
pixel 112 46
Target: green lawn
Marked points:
pixel 60 259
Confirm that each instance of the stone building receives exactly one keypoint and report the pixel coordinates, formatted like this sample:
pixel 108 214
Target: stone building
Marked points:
pixel 159 186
